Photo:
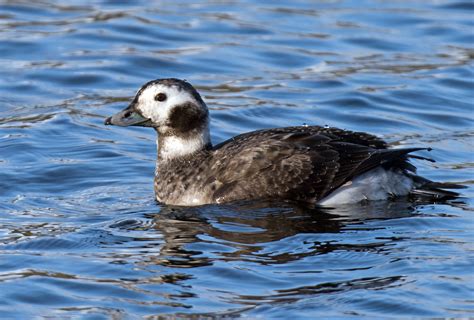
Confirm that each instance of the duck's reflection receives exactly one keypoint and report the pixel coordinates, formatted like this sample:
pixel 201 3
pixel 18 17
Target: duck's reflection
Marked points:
pixel 298 293
pixel 197 236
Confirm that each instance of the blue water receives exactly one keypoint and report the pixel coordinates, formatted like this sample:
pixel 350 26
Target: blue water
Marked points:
pixel 80 233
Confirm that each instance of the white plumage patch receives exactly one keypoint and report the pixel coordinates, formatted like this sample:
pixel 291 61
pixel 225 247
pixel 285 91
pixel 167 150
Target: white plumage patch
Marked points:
pixel 175 146
pixel 377 184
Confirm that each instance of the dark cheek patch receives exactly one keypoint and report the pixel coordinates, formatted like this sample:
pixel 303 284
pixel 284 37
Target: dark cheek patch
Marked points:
pixel 186 117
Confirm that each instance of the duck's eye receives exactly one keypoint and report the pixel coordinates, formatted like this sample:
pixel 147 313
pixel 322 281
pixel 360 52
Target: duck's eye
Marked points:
pixel 160 97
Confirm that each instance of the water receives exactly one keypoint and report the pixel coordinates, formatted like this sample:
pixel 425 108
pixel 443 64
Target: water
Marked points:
pixel 80 233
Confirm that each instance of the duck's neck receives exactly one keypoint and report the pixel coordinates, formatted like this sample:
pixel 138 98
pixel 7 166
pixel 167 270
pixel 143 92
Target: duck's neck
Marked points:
pixel 171 147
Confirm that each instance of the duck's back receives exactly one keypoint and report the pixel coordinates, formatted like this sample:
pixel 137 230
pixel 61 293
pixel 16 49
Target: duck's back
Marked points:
pixel 294 163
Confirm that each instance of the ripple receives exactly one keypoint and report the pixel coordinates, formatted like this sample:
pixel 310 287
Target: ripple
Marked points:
pixel 79 226
pixel 460 5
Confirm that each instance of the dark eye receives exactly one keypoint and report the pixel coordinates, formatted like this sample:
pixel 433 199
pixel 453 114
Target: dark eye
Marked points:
pixel 160 97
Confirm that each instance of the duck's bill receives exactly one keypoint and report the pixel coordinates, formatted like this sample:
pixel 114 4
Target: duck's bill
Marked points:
pixel 128 117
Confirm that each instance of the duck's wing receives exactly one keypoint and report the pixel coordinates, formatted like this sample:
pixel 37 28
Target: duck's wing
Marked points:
pixel 355 137
pixel 303 165
pixel 334 134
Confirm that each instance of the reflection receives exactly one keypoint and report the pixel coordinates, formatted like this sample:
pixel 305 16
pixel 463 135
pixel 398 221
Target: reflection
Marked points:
pixel 295 294
pixel 240 231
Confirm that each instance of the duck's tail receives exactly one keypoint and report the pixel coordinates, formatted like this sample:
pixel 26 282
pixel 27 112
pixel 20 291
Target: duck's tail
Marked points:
pixel 425 188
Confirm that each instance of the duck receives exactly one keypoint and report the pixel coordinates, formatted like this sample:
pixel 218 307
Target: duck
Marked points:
pixel 318 165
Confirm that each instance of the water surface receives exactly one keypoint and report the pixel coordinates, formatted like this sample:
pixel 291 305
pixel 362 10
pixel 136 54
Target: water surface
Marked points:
pixel 80 233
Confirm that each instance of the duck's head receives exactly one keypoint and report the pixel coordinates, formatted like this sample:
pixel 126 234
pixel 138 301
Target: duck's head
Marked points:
pixel 175 110
pixel 172 106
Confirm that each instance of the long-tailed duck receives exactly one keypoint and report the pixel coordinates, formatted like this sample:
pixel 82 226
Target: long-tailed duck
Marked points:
pixel 321 165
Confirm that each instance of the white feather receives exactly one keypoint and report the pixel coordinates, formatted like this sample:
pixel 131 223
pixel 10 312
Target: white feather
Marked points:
pixel 377 184
pixel 174 146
